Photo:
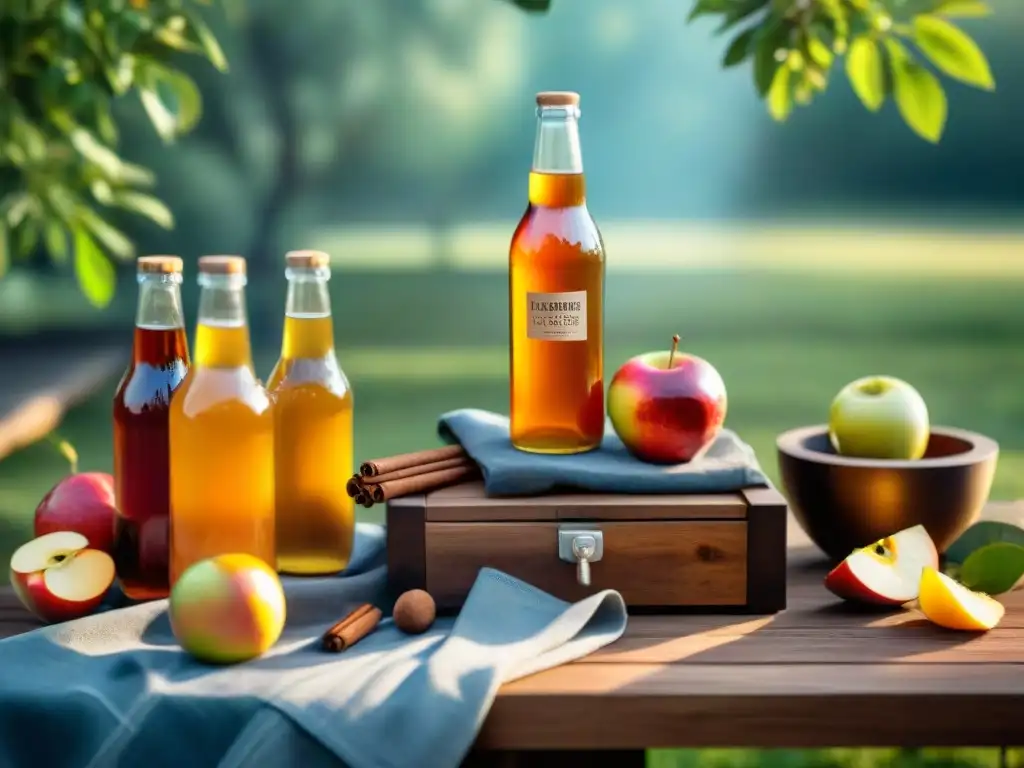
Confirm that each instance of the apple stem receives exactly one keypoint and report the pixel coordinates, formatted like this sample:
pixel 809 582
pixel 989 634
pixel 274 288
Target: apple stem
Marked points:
pixel 675 346
pixel 65 449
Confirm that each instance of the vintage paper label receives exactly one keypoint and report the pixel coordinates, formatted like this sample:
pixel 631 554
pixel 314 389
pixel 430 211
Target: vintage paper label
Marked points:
pixel 557 316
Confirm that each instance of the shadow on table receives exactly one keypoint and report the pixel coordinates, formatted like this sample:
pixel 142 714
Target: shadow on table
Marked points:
pixel 816 628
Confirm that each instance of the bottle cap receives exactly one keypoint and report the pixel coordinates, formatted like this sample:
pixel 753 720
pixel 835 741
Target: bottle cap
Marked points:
pixel 558 99
pixel 307 259
pixel 159 265
pixel 222 265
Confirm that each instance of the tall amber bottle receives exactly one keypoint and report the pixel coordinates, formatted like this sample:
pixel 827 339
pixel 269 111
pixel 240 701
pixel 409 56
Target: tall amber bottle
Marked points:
pixel 141 424
pixel 222 433
pixel 313 428
pixel 556 296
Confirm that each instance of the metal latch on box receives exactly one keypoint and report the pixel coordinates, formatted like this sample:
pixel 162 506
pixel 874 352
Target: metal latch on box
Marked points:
pixel 582 547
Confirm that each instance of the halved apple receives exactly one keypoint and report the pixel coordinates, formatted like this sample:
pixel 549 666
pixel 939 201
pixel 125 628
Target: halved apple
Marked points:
pixel 58 578
pixel 953 606
pixel 887 572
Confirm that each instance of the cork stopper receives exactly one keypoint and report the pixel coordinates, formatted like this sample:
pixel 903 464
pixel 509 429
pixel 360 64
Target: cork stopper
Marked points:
pixel 558 99
pixel 159 265
pixel 222 265
pixel 307 259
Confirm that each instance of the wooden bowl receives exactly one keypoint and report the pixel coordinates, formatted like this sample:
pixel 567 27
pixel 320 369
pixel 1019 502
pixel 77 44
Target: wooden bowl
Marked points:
pixel 844 503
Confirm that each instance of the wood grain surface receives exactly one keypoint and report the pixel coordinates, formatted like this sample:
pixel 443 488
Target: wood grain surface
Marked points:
pixel 467 503
pixel 817 674
pixel 650 563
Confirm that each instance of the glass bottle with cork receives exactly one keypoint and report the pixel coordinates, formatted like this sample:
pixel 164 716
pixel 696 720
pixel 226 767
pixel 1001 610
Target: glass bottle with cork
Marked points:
pixel 159 363
pixel 556 296
pixel 222 433
pixel 313 406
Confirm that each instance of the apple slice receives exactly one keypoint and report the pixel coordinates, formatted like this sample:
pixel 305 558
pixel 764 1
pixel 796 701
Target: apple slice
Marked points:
pixel 58 578
pixel 953 606
pixel 887 572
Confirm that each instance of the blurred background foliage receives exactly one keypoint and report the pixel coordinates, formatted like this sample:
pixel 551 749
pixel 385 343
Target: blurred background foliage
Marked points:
pixel 68 68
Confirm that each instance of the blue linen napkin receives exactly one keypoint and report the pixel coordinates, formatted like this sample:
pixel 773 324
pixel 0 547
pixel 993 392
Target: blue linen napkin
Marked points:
pixel 115 690
pixel 726 465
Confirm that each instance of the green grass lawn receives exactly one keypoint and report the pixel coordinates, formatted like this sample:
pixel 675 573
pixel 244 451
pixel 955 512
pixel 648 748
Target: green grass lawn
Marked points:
pixel 784 343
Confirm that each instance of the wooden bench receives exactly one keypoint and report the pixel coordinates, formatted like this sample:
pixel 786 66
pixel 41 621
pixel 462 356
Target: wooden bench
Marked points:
pixel 817 675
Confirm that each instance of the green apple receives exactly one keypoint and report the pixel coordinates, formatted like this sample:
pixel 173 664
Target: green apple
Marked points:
pixel 879 417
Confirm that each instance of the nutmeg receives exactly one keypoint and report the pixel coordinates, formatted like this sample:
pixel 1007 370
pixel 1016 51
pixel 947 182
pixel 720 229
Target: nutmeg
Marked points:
pixel 414 612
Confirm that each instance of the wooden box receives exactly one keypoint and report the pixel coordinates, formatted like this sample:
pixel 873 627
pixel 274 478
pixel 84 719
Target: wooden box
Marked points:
pixel 661 552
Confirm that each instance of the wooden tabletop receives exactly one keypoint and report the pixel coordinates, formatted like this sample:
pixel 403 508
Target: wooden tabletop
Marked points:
pixel 819 674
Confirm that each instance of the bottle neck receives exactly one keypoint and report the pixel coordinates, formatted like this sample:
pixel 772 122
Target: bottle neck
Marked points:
pixel 159 321
pixel 308 326
pixel 222 334
pixel 557 146
pixel 159 306
pixel 556 177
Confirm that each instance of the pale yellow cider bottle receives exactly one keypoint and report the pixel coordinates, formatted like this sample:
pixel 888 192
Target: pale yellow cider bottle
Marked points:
pixel 221 433
pixel 313 428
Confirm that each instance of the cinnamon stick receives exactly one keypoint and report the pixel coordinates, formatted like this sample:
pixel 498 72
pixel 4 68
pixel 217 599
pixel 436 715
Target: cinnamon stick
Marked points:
pixel 428 481
pixel 352 628
pixel 383 466
pixel 358 482
pixel 354 486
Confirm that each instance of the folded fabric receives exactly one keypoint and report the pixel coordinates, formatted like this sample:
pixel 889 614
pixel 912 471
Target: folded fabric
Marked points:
pixel 115 690
pixel 727 464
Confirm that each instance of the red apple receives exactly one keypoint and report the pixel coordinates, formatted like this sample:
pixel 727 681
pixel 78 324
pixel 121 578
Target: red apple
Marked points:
pixel 667 406
pixel 83 503
pixel 58 578
pixel 887 572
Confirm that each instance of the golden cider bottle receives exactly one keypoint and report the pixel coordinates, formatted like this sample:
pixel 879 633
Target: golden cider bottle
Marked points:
pixel 556 296
pixel 221 433
pixel 313 428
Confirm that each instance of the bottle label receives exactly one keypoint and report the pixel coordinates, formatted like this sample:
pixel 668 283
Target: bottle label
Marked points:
pixel 557 316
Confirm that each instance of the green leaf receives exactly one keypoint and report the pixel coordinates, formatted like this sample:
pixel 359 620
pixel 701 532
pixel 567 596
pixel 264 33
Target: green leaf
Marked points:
pixel 953 51
pixel 136 175
pixel 533 6
pixel 56 241
pixel 964 9
pixel 864 70
pixel 105 124
pixel 5 250
pixel 738 11
pixel 918 94
pixel 780 100
pixel 708 7
pixel 15 207
pixel 771 38
pixel 114 239
pixel 215 53
pixel 836 11
pixel 173 38
pixel 28 237
pixel 982 534
pixel 96 153
pixel 993 569
pixel 740 47
pixel 819 52
pixel 94 271
pixel 170 121
pixel 145 205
